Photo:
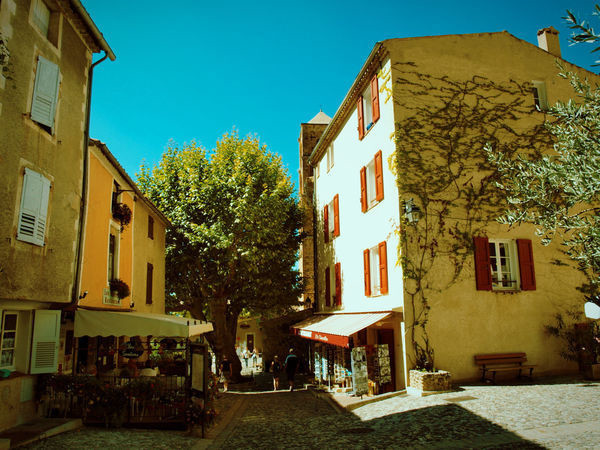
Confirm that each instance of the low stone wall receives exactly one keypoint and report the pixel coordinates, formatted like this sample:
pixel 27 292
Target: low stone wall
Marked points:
pixel 430 381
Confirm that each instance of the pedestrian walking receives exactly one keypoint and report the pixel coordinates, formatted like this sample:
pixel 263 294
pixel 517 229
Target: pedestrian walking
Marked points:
pixel 275 370
pixel 246 356
pixel 226 373
pixel 291 365
pixel 254 357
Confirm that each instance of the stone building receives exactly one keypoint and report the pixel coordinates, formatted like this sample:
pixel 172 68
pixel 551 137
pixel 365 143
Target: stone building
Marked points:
pixel 408 250
pixel 45 93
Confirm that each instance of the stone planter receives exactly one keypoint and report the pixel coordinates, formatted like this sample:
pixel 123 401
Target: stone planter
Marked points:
pixel 422 382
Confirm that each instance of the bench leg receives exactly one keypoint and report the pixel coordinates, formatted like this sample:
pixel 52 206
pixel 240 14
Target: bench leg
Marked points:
pixel 519 376
pixel 483 370
pixel 494 377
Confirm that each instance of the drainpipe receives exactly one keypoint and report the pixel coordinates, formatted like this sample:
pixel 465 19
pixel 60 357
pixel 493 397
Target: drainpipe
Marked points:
pixel 84 185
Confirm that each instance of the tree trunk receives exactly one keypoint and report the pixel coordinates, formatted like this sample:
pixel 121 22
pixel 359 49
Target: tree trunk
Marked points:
pixel 222 341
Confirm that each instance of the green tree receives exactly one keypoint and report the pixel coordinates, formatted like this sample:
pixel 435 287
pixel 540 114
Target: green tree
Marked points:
pixel 235 235
pixel 560 192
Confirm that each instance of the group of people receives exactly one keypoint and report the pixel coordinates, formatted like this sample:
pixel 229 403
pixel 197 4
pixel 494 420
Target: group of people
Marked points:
pixel 253 355
pixel 290 366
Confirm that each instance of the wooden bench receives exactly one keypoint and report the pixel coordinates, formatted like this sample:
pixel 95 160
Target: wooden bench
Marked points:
pixel 503 362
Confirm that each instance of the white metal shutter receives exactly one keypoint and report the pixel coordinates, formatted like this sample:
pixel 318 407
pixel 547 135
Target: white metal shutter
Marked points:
pixel 34 208
pixel 45 92
pixel 45 342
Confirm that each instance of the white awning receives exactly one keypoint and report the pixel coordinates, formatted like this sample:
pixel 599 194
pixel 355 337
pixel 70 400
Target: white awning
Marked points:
pixel 335 329
pixel 116 323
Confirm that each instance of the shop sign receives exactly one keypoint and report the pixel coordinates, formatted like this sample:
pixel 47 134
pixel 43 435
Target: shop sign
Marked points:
pixel 130 351
pixel 306 334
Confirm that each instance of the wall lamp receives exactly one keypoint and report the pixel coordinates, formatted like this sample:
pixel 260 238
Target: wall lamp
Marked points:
pixel 412 213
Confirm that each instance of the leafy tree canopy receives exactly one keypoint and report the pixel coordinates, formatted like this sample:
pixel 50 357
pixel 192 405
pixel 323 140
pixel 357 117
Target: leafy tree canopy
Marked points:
pixel 235 235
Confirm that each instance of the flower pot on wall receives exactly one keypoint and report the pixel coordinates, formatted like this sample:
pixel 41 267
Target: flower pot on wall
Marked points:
pixel 422 382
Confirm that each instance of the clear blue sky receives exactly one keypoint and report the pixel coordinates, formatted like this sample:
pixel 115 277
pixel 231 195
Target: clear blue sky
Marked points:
pixel 194 69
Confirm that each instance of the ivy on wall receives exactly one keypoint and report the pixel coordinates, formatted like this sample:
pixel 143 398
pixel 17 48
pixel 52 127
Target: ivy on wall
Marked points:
pixel 441 164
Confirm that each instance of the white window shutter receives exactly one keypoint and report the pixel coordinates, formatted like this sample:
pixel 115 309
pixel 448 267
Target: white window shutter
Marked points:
pixel 34 208
pixel 45 92
pixel 45 342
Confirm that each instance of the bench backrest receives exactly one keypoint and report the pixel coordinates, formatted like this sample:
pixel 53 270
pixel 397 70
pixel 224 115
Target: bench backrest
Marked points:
pixel 500 358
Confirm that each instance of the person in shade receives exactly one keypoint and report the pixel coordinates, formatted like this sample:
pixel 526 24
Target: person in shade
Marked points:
pixel 275 370
pixel 291 365
pixel 226 373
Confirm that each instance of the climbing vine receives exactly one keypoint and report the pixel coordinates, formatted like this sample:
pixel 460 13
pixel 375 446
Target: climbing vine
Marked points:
pixel 4 55
pixel 441 164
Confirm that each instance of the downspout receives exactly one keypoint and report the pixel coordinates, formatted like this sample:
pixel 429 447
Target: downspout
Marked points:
pixel 84 185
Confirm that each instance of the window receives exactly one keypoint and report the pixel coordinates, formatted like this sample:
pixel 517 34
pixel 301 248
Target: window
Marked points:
pixel 539 95
pixel 150 227
pixel 329 157
pixel 317 169
pixel 45 93
pixel 504 264
pixel 149 276
pixel 46 21
pixel 331 228
pixel 112 256
pixel 34 208
pixel 8 340
pixel 371 182
pixel 337 297
pixel 367 107
pixel 375 270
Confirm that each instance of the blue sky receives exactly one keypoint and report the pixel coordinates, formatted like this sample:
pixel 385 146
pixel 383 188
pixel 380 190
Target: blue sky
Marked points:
pixel 193 69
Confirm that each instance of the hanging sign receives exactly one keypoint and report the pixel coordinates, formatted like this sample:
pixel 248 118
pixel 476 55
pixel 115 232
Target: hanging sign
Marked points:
pixel 129 351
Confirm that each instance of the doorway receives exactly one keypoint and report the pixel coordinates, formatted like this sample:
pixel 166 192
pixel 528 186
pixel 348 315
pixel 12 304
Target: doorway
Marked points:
pixel 250 342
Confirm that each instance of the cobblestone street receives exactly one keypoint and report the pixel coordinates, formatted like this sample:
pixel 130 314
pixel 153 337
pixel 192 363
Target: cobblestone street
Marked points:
pixel 560 413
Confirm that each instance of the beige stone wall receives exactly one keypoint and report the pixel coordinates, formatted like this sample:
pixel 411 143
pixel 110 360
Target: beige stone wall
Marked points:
pixel 463 321
pixel 309 136
pixel 146 250
pixel 31 272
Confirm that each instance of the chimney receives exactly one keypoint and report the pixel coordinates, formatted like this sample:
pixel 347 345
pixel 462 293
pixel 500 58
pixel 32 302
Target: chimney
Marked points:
pixel 548 40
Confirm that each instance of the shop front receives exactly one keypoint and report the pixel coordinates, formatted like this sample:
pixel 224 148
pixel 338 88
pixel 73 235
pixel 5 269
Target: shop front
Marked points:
pixel 352 352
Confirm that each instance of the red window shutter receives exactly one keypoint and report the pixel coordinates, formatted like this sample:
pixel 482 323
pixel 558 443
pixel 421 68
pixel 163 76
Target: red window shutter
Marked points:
pixel 367 262
pixel 327 287
pixel 375 98
pixel 338 284
pixel 378 176
pixel 363 189
pixel 383 276
pixel 526 264
pixel 326 223
pixel 483 271
pixel 336 215
pixel 361 118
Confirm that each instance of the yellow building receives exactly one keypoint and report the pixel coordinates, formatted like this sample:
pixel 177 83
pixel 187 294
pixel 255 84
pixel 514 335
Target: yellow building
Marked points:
pixel 131 250
pixel 44 116
pixel 406 206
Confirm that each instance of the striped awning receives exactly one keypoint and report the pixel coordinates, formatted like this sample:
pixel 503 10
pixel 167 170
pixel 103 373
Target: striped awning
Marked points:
pixel 336 329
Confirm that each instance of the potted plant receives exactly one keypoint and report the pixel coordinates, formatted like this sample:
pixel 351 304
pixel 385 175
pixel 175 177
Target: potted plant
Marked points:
pixel 119 288
pixel 122 213
pixel 425 377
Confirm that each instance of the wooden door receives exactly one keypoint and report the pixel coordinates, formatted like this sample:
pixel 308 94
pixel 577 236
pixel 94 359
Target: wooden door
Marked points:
pixel 386 336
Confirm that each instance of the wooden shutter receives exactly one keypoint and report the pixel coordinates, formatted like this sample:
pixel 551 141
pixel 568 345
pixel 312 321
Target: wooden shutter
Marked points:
pixel 483 271
pixel 375 98
pixel 327 287
pixel 383 275
pixel 45 92
pixel 367 270
pixel 336 215
pixel 526 268
pixel 150 227
pixel 378 176
pixel 34 208
pixel 361 118
pixel 44 345
pixel 363 189
pixel 338 284
pixel 149 276
pixel 326 223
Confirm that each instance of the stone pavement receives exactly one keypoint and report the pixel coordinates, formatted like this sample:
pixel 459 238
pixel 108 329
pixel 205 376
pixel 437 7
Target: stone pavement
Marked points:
pixel 558 413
